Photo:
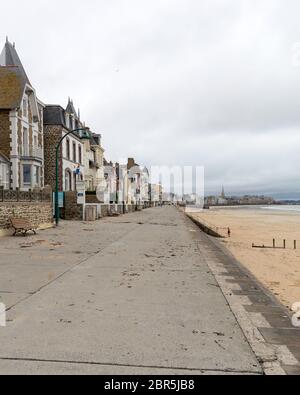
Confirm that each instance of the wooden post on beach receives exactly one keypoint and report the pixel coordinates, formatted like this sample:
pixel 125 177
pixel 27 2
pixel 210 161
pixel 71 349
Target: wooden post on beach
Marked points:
pixel 284 244
pixel 274 243
pixel 295 244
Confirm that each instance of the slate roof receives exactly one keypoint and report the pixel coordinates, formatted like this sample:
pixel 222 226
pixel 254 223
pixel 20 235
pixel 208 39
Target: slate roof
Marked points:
pixel 13 78
pixel 54 115
pixel 12 88
pixel 9 57
pixel 3 158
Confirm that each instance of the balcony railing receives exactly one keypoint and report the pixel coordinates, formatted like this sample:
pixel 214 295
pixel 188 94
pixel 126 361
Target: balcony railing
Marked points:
pixel 35 152
pixel 25 196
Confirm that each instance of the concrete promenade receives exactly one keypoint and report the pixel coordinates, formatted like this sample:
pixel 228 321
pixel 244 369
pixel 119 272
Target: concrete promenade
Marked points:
pixel 127 295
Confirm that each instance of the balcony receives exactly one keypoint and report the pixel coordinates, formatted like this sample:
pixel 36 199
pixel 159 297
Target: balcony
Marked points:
pixel 33 153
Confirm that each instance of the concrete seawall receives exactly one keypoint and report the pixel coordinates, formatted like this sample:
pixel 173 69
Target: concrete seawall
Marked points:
pixel 205 228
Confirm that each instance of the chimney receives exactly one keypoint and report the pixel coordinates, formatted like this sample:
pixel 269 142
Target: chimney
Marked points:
pixel 131 163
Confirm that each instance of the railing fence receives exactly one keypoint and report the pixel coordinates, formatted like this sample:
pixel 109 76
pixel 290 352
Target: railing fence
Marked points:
pixel 25 196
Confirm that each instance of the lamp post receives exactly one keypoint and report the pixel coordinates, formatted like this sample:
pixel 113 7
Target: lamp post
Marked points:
pixel 84 135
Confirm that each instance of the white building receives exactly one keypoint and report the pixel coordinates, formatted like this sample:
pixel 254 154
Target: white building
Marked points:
pixel 94 162
pixel 21 123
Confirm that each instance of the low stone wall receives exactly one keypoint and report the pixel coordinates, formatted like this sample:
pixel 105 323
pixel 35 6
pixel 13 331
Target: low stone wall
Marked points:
pixel 104 211
pixel 91 199
pixel 131 208
pixel 72 210
pixel 107 209
pixel 40 214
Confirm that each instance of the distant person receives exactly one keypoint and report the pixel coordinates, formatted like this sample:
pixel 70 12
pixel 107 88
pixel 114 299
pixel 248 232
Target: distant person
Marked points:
pixel 229 232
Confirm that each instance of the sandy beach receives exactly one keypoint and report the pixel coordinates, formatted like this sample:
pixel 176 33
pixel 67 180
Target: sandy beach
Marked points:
pixel 278 270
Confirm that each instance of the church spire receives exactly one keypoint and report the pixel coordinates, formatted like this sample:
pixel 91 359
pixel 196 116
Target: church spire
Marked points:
pixel 223 193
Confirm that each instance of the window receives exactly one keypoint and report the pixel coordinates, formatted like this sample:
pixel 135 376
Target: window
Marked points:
pixel 68 181
pixel 25 108
pixel 35 146
pixel 79 154
pixel 4 175
pixel 68 149
pixel 26 174
pixel 25 142
pixel 37 175
pixel 74 152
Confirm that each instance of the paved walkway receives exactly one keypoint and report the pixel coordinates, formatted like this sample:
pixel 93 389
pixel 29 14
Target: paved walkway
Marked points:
pixel 127 295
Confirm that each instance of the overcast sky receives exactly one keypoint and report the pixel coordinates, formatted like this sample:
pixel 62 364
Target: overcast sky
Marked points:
pixel 175 82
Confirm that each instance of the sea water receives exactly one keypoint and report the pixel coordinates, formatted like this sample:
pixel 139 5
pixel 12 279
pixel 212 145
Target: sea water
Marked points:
pixel 289 208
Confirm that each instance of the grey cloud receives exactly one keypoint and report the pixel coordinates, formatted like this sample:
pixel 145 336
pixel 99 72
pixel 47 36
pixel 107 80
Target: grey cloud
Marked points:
pixel 206 82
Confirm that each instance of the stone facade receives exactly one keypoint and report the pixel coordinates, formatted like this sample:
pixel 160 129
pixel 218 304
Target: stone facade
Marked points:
pixel 52 135
pixel 72 210
pixel 5 140
pixel 5 175
pixel 57 123
pixel 40 214
pixel 92 199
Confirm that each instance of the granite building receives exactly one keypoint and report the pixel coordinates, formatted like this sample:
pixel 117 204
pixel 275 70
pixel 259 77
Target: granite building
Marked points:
pixel 57 123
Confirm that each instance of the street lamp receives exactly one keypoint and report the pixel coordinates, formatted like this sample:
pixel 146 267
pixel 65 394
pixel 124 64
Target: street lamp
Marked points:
pixel 84 134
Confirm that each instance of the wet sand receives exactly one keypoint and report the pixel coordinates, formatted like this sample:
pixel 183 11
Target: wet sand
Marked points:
pixel 278 270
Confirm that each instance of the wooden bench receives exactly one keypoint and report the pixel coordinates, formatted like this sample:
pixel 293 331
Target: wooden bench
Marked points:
pixel 22 226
